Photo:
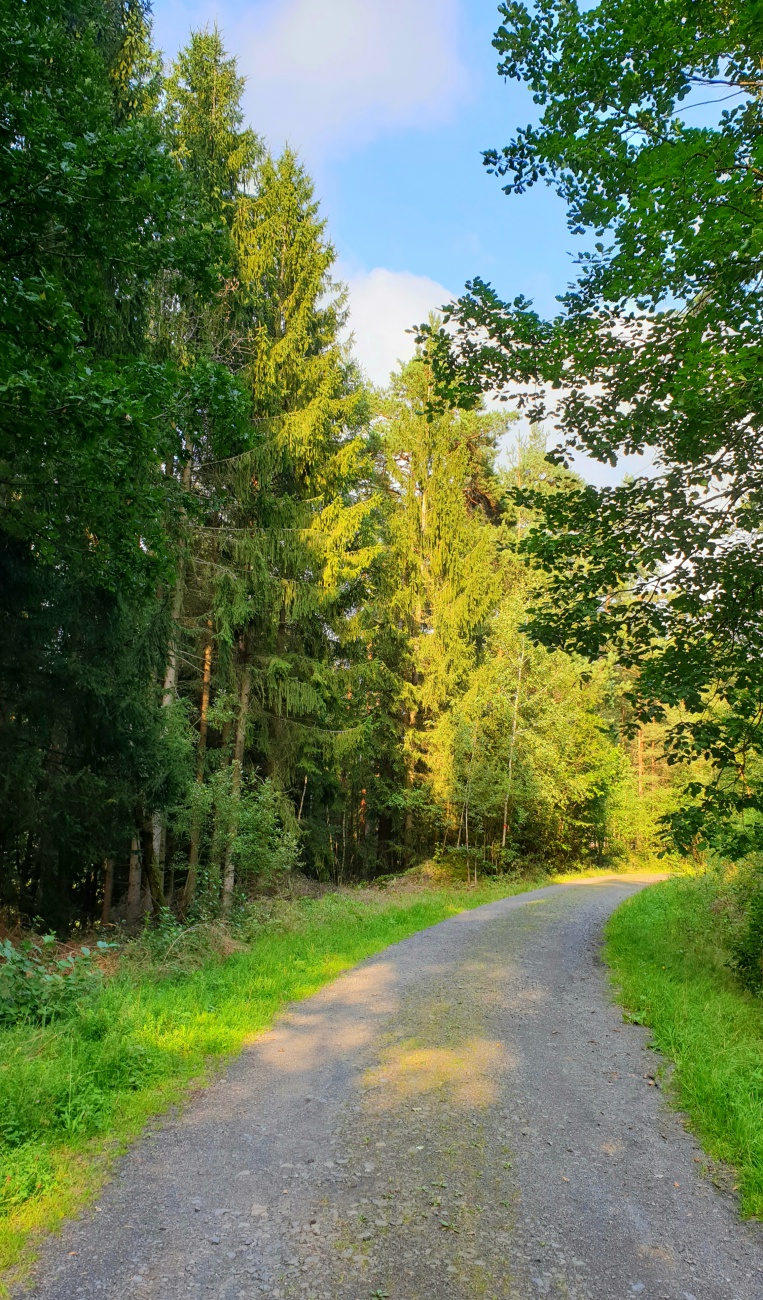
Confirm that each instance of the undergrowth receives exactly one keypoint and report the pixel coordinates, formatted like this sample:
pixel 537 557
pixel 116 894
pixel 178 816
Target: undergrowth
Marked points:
pixel 671 955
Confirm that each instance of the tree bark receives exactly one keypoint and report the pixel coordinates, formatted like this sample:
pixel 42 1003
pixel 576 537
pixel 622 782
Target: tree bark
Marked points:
pixel 169 687
pixel 150 864
pixel 159 837
pixel 171 670
pixel 276 722
pixel 409 779
pixel 193 855
pixel 108 889
pixel 302 800
pixel 133 884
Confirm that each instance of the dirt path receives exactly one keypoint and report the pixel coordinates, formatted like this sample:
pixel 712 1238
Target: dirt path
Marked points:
pixel 465 1115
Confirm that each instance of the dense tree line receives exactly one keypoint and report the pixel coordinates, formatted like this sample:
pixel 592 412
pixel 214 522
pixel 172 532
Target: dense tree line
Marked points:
pixel 257 615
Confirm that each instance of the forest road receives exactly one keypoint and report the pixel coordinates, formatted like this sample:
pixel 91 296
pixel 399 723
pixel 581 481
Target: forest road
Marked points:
pixel 464 1116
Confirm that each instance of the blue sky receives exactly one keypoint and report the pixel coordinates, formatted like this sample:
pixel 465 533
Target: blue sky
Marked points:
pixel 390 103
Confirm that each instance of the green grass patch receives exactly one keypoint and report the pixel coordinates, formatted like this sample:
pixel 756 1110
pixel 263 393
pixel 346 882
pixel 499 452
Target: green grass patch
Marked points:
pixel 665 947
pixel 74 1092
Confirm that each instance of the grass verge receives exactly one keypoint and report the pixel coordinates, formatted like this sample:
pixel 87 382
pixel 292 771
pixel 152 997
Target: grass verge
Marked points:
pixel 667 956
pixel 74 1093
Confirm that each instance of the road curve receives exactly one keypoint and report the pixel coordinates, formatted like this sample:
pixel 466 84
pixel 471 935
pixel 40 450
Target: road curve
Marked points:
pixel 465 1115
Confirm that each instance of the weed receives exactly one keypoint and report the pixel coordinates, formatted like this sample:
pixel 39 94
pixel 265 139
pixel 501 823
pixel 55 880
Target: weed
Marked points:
pixel 36 984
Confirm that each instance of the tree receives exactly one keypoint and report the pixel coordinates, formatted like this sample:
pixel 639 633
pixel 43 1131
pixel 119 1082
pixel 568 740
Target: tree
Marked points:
pixel 94 212
pixel 530 759
pixel 314 498
pixel 443 560
pixel 88 214
pixel 656 350
pixel 280 539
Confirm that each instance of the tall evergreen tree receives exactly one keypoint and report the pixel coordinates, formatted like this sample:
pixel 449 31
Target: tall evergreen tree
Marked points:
pixel 279 524
pixel 443 543
pixel 89 215
pixel 308 477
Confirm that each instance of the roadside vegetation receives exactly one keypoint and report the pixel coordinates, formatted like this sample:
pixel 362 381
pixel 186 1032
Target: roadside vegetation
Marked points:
pixel 680 954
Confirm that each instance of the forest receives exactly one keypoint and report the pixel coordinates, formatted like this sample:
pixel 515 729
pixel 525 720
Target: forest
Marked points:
pixel 261 617
pixel 296 665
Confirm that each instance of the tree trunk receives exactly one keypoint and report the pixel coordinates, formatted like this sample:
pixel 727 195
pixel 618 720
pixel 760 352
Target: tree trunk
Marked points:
pixel 193 855
pixel 239 747
pixel 159 837
pixel 150 865
pixel 409 778
pixel 133 884
pixel 383 835
pixel 302 800
pixel 171 670
pixel 108 889
pixel 169 868
pixel 169 688
pixel 465 812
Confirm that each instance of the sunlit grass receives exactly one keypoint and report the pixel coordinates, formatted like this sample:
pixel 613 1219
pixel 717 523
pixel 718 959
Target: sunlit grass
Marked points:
pixel 72 1094
pixel 654 867
pixel 664 949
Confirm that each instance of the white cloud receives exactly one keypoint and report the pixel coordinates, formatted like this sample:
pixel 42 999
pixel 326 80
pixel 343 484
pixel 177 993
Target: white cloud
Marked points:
pixel 383 305
pixel 331 74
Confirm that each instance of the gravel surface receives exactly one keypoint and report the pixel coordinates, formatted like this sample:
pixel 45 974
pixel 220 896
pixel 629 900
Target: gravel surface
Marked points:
pixel 465 1115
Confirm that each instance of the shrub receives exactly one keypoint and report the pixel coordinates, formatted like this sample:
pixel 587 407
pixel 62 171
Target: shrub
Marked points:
pixel 36 985
pixel 747 945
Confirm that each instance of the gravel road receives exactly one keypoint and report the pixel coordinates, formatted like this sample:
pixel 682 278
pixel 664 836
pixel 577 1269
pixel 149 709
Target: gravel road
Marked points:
pixel 464 1116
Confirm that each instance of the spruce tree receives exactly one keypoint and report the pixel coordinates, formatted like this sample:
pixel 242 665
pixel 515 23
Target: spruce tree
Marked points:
pixel 278 527
pixel 91 213
pixel 307 481
pixel 444 561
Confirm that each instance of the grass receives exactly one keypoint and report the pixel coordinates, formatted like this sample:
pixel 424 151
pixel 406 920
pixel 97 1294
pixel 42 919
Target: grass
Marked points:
pixel 74 1093
pixel 665 948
